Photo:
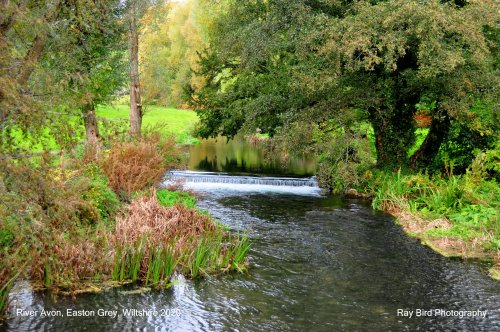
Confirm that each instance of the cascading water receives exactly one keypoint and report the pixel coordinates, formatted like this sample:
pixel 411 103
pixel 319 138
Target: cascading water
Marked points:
pixel 212 181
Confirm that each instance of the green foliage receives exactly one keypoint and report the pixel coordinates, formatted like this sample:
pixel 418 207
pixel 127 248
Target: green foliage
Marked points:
pixel 197 258
pixel 469 202
pixel 7 233
pixel 464 141
pixel 171 198
pixel 239 252
pixel 492 161
pixel 67 56
pixel 274 64
pixel 219 254
pixel 171 37
pixel 345 157
pixel 99 194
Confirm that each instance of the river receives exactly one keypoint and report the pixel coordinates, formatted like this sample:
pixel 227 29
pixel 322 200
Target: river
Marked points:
pixel 318 263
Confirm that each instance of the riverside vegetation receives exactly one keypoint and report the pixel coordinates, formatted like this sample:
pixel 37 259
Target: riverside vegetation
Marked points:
pixel 397 99
pixel 87 224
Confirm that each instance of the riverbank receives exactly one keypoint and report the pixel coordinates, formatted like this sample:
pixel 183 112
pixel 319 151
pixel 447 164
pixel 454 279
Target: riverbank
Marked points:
pixel 457 216
pixel 453 247
pixel 96 220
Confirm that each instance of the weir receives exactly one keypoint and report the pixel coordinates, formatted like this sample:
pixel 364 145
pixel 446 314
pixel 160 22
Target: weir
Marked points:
pixel 224 181
pixel 210 177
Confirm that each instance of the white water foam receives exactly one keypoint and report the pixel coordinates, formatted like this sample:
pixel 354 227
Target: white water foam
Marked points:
pixel 209 182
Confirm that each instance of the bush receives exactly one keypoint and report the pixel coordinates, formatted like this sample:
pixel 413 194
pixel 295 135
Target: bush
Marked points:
pixel 98 193
pixel 171 198
pixel 344 163
pixel 51 222
pixel 145 215
pixel 138 165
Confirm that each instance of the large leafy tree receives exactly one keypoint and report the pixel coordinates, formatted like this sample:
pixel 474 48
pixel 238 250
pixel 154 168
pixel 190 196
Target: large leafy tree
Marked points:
pixel 85 59
pixel 25 29
pixel 250 68
pixel 70 61
pixel 273 64
pixel 172 36
pixel 394 54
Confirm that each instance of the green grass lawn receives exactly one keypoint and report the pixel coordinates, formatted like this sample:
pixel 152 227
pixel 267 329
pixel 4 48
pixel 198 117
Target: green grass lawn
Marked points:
pixel 172 120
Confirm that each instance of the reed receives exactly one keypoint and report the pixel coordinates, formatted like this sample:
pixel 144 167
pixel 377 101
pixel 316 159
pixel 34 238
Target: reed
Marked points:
pixel 47 273
pixel 216 253
pixel 115 274
pixel 198 259
pixel 161 266
pixel 169 262
pixel 241 249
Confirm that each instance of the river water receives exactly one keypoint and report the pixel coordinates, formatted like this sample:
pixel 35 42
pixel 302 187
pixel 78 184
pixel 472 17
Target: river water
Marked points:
pixel 239 157
pixel 318 263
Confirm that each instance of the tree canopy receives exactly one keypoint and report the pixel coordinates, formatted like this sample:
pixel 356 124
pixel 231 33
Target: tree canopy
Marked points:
pixel 282 65
pixel 57 57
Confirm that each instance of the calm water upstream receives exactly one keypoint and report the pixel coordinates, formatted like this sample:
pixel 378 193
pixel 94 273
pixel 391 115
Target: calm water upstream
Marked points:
pixel 216 155
pixel 318 263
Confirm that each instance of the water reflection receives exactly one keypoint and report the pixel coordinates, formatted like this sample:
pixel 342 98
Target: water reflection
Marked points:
pixel 238 156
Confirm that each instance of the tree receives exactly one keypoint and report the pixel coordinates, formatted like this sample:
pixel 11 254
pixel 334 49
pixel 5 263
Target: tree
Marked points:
pixel 172 36
pixel 135 88
pixel 135 11
pixel 87 57
pixel 69 62
pixel 272 64
pixel 403 51
pixel 21 46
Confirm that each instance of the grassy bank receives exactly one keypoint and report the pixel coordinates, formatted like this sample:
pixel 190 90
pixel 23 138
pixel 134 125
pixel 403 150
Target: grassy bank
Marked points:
pixel 457 216
pixel 97 220
pixel 111 118
pixel 171 121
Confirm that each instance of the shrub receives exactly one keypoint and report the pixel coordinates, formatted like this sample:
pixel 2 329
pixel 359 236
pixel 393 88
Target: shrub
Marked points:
pixel 145 216
pixel 344 162
pixel 461 146
pixel 50 223
pixel 151 240
pixel 135 166
pixel 98 192
pixel 171 198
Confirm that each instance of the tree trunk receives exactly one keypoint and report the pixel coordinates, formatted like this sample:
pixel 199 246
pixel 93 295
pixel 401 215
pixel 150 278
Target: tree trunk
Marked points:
pixel 37 47
pixel 31 58
pixel 135 91
pixel 90 122
pixel 394 134
pixel 440 126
